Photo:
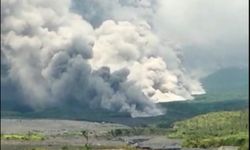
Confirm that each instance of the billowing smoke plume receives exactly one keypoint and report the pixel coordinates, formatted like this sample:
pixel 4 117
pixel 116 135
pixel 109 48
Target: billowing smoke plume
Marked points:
pixel 56 53
pixel 134 46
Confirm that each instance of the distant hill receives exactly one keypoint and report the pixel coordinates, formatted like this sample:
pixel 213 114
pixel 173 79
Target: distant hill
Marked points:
pixel 226 84
pixel 226 79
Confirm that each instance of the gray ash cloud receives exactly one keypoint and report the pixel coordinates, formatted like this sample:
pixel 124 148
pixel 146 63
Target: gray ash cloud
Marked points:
pixel 116 55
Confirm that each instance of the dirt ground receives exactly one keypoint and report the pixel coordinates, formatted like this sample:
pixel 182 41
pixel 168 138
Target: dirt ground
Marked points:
pixel 65 133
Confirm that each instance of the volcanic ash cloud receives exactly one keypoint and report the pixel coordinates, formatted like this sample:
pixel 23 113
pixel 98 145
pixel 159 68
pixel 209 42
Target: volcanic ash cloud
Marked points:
pixel 134 46
pixel 54 55
pixel 48 48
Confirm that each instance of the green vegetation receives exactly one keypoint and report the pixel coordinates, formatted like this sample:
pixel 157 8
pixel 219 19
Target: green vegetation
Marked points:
pixel 177 111
pixel 27 137
pixel 214 129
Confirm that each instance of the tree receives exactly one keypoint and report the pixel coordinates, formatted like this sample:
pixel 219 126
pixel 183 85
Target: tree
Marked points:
pixel 86 136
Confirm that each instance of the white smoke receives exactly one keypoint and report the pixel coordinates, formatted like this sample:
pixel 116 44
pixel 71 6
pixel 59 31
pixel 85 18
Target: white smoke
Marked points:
pixel 56 55
pixel 136 47
pixel 40 40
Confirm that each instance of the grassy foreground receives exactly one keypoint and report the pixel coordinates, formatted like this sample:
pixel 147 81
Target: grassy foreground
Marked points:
pixel 227 128
pixel 23 137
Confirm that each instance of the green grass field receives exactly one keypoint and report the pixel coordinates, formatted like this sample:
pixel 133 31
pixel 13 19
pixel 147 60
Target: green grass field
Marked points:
pixel 23 137
pixel 214 129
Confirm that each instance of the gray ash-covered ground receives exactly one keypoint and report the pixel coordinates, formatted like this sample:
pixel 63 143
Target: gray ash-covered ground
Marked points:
pixel 55 127
pixel 61 133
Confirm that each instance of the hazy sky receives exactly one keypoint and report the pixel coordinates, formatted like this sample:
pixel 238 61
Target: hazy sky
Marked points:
pixel 213 32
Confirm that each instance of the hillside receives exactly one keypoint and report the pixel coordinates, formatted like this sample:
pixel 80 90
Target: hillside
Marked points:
pixel 226 79
pixel 214 129
pixel 228 83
